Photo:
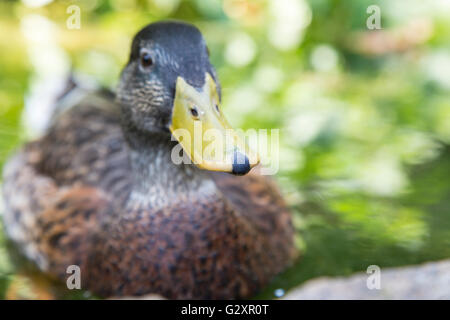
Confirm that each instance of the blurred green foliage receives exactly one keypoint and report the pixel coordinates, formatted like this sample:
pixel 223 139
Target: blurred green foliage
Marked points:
pixel 364 114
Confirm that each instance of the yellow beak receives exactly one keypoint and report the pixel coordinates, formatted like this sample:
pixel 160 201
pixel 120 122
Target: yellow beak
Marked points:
pixel 204 133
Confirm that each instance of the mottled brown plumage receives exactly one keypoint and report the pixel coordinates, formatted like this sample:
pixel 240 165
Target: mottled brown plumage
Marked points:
pixel 98 192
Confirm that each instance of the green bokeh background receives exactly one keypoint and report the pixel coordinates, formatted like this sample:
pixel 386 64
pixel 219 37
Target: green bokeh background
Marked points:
pixel 364 115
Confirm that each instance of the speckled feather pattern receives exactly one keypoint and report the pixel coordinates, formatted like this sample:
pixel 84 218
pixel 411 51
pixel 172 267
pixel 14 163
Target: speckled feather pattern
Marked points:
pixel 99 190
pixel 70 199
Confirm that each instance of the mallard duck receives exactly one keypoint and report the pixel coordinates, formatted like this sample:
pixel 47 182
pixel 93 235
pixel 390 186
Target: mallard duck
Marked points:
pixel 100 189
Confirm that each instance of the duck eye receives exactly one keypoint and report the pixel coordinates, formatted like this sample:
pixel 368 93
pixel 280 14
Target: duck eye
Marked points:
pixel 217 108
pixel 194 112
pixel 146 60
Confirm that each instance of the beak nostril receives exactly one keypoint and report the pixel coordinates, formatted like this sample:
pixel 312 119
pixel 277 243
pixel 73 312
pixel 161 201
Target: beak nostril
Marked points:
pixel 241 165
pixel 194 112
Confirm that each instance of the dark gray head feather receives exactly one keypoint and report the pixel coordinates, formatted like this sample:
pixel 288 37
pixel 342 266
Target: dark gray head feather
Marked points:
pixel 177 50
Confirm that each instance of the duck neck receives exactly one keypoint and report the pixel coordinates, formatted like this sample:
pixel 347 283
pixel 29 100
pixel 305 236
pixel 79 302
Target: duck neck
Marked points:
pixel 157 180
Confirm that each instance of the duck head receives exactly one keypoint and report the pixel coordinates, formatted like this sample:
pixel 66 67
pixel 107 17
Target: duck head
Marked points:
pixel 170 86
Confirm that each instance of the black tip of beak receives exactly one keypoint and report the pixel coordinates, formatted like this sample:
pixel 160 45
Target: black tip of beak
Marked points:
pixel 241 165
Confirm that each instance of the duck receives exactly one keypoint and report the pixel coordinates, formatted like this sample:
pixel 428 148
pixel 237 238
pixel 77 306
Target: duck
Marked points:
pixel 104 189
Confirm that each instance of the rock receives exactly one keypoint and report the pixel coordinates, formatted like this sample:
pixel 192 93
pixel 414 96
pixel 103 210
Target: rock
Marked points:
pixel 427 281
